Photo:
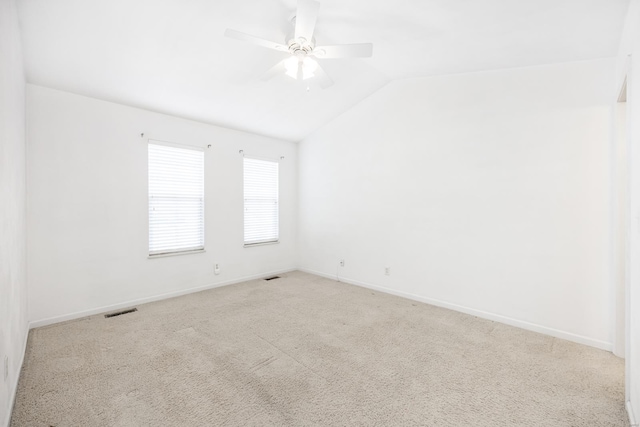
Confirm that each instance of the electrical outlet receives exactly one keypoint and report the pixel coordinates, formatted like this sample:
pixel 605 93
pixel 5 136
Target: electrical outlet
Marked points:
pixel 341 263
pixel 216 269
pixel 387 271
pixel 6 367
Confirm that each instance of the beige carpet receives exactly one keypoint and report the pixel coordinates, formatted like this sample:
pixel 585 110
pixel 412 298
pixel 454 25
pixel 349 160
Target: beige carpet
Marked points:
pixel 304 350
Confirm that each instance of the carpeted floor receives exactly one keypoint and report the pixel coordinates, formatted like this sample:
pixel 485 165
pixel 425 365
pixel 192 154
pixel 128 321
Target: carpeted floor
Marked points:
pixel 303 350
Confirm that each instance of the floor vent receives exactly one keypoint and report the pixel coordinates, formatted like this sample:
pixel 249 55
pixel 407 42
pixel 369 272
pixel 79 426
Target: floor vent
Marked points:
pixel 272 277
pixel 118 313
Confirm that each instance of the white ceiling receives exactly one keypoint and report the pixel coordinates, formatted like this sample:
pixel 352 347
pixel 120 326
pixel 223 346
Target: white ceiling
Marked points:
pixel 171 56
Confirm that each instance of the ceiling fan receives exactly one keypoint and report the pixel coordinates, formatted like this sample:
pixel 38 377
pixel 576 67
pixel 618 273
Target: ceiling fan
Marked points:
pixel 301 46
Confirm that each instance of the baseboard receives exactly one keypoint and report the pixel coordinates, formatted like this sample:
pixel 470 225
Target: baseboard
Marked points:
pixel 632 418
pixel 12 398
pixel 125 304
pixel 603 345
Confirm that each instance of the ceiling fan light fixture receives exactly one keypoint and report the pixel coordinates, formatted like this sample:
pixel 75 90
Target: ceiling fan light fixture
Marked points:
pixel 309 66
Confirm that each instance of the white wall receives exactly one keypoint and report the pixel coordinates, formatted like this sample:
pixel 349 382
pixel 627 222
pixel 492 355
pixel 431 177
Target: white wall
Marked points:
pixel 87 206
pixel 484 192
pixel 13 283
pixel 629 66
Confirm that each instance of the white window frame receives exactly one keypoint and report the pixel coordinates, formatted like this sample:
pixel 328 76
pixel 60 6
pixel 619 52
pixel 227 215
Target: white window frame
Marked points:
pixel 253 236
pixel 163 190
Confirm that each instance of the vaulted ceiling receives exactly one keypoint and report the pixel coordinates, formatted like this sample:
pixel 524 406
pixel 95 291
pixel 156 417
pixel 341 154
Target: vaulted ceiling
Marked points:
pixel 171 56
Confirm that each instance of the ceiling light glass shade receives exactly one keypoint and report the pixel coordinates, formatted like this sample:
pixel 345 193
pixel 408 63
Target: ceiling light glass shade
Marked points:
pixel 309 66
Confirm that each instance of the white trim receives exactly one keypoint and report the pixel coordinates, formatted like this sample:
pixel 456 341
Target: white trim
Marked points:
pixel 622 97
pixel 175 144
pixel 268 159
pixel 177 253
pixel 250 245
pixel 630 197
pixel 619 229
pixel 166 295
pixel 631 415
pixel 580 339
pixel 12 398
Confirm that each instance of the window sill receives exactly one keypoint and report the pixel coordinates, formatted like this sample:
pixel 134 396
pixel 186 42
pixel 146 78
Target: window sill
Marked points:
pixel 251 245
pixel 198 251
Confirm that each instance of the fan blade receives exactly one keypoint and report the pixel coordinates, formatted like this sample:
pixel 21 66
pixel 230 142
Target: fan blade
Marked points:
pixel 323 78
pixel 274 71
pixel 255 40
pixel 359 50
pixel 306 17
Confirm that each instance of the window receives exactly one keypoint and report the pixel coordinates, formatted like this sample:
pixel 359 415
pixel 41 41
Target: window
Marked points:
pixel 260 201
pixel 176 199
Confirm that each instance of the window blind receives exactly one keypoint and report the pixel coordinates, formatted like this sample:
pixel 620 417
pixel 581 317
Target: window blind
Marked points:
pixel 176 199
pixel 260 201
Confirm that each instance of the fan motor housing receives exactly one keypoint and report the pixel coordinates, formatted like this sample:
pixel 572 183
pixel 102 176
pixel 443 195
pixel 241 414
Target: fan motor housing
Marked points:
pixel 299 46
